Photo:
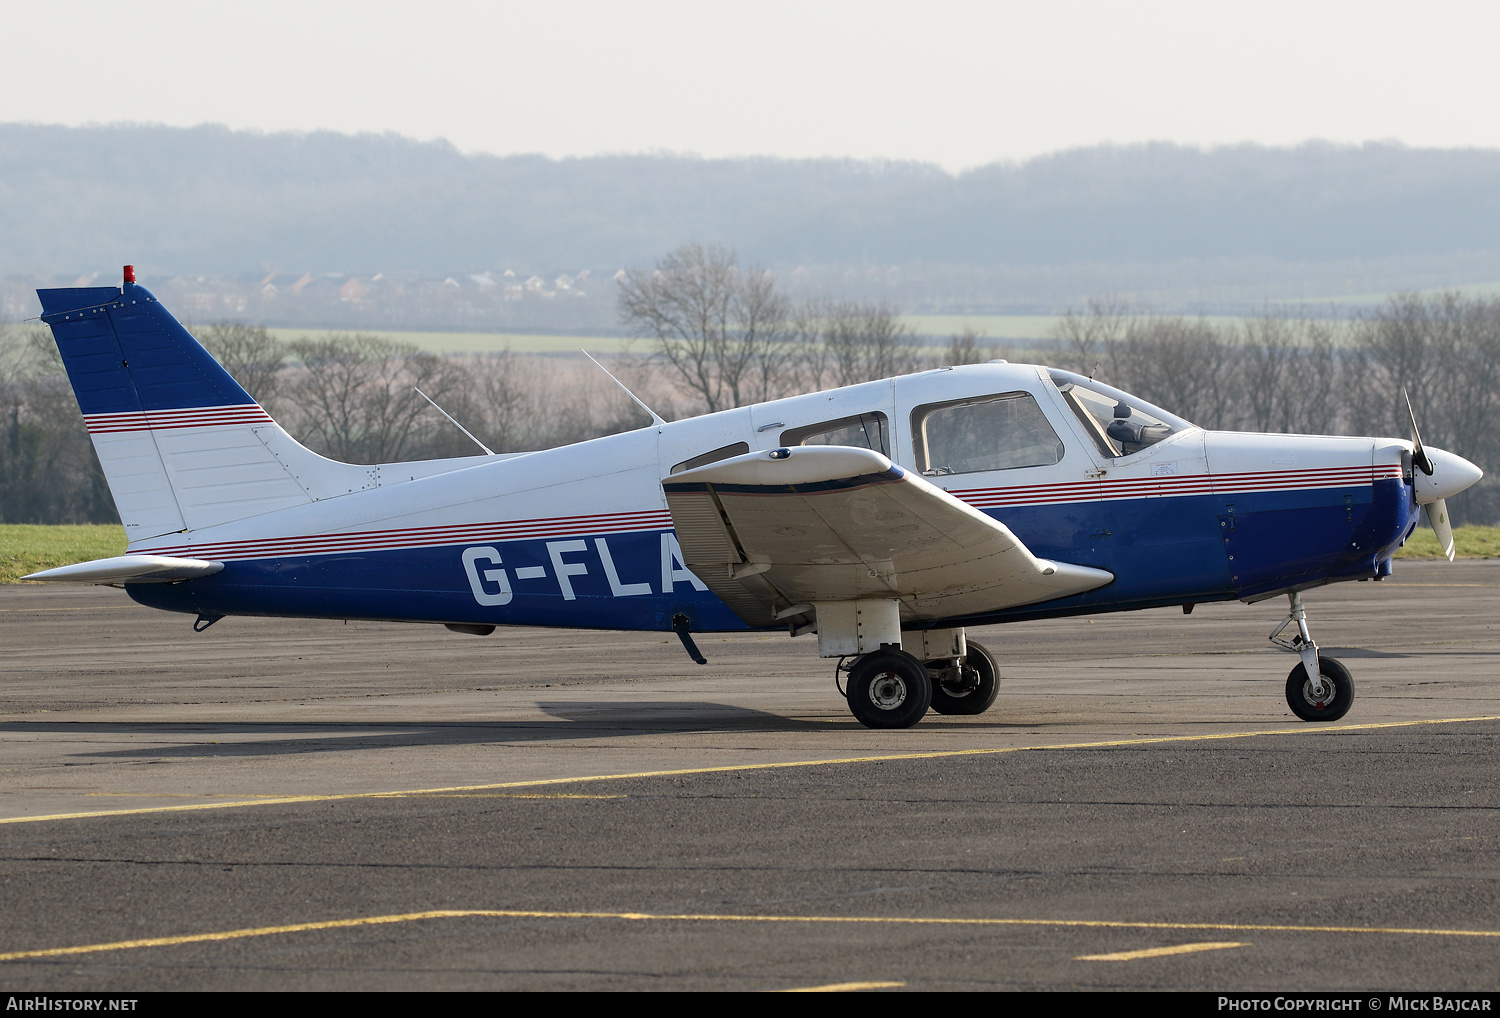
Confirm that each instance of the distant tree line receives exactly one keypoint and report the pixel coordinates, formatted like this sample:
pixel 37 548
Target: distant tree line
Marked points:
pixel 350 397
pixel 714 334
pixel 1278 373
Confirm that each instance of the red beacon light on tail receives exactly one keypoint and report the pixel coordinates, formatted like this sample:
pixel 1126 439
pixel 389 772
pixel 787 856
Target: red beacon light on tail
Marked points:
pixel 130 273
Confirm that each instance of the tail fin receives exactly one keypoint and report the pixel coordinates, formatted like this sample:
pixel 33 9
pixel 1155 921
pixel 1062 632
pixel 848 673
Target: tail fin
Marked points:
pixel 182 445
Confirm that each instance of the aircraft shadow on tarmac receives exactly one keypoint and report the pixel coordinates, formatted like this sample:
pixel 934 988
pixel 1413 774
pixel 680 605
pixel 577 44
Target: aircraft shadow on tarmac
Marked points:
pixel 569 720
pixel 1356 652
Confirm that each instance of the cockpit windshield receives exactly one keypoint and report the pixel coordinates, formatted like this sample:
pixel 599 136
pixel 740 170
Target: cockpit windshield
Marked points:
pixel 1119 423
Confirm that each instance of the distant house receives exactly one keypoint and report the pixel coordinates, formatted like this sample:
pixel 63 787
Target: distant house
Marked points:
pixel 301 284
pixel 353 291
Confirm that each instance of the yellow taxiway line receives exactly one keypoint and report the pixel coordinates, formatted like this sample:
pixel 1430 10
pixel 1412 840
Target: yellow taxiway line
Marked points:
pixel 691 917
pixel 1163 952
pixel 282 800
pixel 73 608
pixel 843 987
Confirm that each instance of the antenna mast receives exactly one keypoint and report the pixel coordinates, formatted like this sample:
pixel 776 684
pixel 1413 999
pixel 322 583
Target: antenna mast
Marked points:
pixel 460 427
pixel 654 419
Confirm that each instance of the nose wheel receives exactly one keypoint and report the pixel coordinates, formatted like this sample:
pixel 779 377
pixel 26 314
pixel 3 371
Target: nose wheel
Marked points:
pixel 1328 703
pixel 1320 688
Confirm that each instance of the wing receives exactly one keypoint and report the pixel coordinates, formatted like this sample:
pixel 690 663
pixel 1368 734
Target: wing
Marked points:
pixel 772 531
pixel 130 569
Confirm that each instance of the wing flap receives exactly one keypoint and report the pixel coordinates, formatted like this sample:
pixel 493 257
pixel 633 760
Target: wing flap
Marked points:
pixel 822 523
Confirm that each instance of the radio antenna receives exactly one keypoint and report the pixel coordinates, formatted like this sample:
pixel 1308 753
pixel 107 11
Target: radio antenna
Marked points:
pixel 654 419
pixel 487 450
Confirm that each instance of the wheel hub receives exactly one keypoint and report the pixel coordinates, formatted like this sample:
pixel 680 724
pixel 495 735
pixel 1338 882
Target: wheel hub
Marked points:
pixel 964 683
pixel 1319 698
pixel 888 691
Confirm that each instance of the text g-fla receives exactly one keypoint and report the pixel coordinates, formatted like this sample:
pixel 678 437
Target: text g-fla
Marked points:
pixel 884 517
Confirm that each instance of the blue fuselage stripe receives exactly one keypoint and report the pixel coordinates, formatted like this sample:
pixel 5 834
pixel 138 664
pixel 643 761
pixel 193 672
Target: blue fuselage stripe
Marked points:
pixel 1161 551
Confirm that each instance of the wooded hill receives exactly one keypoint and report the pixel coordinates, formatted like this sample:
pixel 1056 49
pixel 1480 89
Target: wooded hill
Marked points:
pixel 1184 228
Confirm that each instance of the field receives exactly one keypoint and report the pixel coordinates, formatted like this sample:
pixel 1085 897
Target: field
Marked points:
pixel 1468 542
pixel 27 548
pixel 1000 331
pixel 483 342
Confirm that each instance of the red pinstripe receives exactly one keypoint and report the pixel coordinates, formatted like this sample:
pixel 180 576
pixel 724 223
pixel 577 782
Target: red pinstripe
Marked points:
pixel 159 420
pixel 661 519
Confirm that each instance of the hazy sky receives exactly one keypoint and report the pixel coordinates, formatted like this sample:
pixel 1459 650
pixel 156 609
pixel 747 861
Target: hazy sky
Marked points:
pixel 957 83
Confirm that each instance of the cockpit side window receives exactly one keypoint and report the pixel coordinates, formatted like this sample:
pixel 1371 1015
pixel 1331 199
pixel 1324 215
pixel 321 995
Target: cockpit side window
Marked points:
pixel 1119 423
pixel 864 431
pixel 704 459
pixel 1002 432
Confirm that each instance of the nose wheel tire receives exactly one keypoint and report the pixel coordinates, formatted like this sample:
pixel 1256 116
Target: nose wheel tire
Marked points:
pixel 889 689
pixel 974 693
pixel 1338 693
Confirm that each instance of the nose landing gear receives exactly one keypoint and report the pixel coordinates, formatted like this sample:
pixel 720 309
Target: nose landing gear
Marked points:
pixel 1320 688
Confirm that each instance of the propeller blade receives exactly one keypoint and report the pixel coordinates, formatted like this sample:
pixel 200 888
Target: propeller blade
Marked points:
pixel 1418 455
pixel 1437 518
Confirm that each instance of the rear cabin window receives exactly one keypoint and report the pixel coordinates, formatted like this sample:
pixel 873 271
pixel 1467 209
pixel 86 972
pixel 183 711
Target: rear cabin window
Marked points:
pixel 704 459
pixel 864 431
pixel 1001 432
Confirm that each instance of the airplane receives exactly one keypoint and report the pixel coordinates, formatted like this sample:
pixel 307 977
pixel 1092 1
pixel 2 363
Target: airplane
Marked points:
pixel 887 517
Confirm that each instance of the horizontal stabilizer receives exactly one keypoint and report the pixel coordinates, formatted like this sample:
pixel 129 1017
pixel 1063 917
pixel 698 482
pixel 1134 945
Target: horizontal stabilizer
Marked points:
pixel 129 569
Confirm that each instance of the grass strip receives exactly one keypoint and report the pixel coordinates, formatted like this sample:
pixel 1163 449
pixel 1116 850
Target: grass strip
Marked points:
pixel 28 547
pixel 1468 542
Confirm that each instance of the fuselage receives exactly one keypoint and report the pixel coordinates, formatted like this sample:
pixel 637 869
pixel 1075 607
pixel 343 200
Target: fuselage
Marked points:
pixel 581 536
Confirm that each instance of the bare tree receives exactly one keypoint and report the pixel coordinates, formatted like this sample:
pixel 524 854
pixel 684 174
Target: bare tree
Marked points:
pixel 48 470
pixel 965 348
pixel 1288 374
pixel 251 355
pixel 724 330
pixel 864 342
pixel 355 399
pixel 1088 338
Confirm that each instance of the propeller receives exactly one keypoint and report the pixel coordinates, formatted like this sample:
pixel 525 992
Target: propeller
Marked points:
pixel 1437 518
pixel 1437 509
pixel 1418 454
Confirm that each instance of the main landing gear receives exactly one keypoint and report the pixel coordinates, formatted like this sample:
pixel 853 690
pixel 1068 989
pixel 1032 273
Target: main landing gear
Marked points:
pixel 890 688
pixel 1320 688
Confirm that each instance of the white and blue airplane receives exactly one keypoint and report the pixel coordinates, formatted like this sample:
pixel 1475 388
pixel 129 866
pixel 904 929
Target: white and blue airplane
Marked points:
pixel 884 517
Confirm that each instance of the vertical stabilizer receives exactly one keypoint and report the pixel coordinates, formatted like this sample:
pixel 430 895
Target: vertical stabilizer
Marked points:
pixel 182 445
pixel 177 437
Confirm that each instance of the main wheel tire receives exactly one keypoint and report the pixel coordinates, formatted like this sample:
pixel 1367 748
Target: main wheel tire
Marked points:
pixel 1334 705
pixel 889 689
pixel 946 700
